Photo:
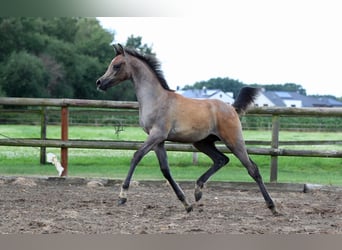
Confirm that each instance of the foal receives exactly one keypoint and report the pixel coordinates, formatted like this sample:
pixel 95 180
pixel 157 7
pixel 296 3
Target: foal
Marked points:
pixel 167 116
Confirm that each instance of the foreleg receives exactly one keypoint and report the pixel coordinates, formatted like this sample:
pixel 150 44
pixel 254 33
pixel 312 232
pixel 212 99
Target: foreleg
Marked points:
pixel 149 144
pixel 164 167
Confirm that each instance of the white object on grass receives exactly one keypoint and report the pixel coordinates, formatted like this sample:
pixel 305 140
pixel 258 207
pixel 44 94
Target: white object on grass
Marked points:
pixel 52 158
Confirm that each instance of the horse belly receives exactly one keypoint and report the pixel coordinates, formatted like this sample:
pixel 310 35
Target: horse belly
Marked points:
pixel 189 133
pixel 186 138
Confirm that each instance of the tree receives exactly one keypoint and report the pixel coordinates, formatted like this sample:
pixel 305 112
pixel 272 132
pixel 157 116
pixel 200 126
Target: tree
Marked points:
pixel 18 34
pixel 71 51
pixel 136 43
pixel 24 75
pixel 2 93
pixel 87 69
pixel 61 28
pixel 225 84
pixel 92 40
pixel 56 86
pixel 291 87
pixel 59 57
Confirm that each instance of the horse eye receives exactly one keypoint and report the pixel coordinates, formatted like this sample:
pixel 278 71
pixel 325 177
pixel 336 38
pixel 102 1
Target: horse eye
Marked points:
pixel 116 66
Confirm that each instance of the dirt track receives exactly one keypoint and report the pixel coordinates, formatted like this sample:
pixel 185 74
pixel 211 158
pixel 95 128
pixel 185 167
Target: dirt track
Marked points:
pixel 31 205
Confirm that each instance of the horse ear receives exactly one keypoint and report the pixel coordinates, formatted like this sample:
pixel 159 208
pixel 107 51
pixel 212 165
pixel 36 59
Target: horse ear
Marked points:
pixel 119 50
pixel 116 49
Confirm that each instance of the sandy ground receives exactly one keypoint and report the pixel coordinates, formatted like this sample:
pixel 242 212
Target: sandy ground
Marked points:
pixel 57 205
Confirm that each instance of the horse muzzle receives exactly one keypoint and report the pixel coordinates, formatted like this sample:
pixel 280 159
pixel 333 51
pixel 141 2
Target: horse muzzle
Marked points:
pixel 101 85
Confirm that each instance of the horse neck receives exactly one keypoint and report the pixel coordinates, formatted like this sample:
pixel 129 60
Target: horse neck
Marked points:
pixel 147 87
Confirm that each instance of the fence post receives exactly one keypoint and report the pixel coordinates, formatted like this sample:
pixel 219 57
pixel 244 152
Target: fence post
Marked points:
pixel 64 135
pixel 274 145
pixel 43 135
pixel 195 158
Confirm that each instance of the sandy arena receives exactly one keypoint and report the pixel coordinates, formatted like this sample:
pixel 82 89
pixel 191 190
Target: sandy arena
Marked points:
pixel 87 206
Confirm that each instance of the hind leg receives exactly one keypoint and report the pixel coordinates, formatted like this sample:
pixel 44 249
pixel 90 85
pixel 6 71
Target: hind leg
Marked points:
pixel 241 153
pixel 207 146
pixel 234 141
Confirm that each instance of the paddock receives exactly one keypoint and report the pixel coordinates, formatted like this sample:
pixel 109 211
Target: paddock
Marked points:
pixel 81 206
pixel 33 205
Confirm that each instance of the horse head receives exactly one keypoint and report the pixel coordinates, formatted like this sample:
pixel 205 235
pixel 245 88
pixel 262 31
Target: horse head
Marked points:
pixel 116 72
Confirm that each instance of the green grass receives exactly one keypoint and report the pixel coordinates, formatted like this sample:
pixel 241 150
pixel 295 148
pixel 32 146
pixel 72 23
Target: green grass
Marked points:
pixel 106 163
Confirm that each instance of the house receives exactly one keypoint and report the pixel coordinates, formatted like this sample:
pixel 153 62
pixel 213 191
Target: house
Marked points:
pixel 265 98
pixel 293 99
pixel 330 102
pixel 207 94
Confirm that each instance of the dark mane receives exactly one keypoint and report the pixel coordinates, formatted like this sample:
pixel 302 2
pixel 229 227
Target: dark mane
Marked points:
pixel 153 63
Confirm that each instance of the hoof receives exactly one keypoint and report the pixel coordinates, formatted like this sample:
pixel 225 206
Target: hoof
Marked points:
pixel 275 212
pixel 198 195
pixel 189 209
pixel 122 201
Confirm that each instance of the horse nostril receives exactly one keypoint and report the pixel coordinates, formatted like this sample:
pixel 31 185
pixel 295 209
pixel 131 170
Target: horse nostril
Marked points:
pixel 98 82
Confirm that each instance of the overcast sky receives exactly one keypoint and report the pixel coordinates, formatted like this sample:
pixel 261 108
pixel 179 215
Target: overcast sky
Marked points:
pixel 267 43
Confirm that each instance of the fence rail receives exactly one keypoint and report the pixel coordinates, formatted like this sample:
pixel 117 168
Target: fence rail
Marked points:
pixel 133 145
pixel 64 143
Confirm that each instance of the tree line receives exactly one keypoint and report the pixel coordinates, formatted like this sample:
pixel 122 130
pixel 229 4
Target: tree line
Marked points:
pixel 63 57
pixel 58 58
pixel 231 85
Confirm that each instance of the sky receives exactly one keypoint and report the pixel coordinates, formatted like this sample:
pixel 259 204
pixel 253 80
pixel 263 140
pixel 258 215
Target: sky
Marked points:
pixel 264 42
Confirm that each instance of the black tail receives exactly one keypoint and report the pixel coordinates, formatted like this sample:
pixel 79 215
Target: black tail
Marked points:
pixel 246 97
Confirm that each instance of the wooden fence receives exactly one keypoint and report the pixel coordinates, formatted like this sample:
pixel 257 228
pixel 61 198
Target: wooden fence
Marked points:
pixel 64 143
